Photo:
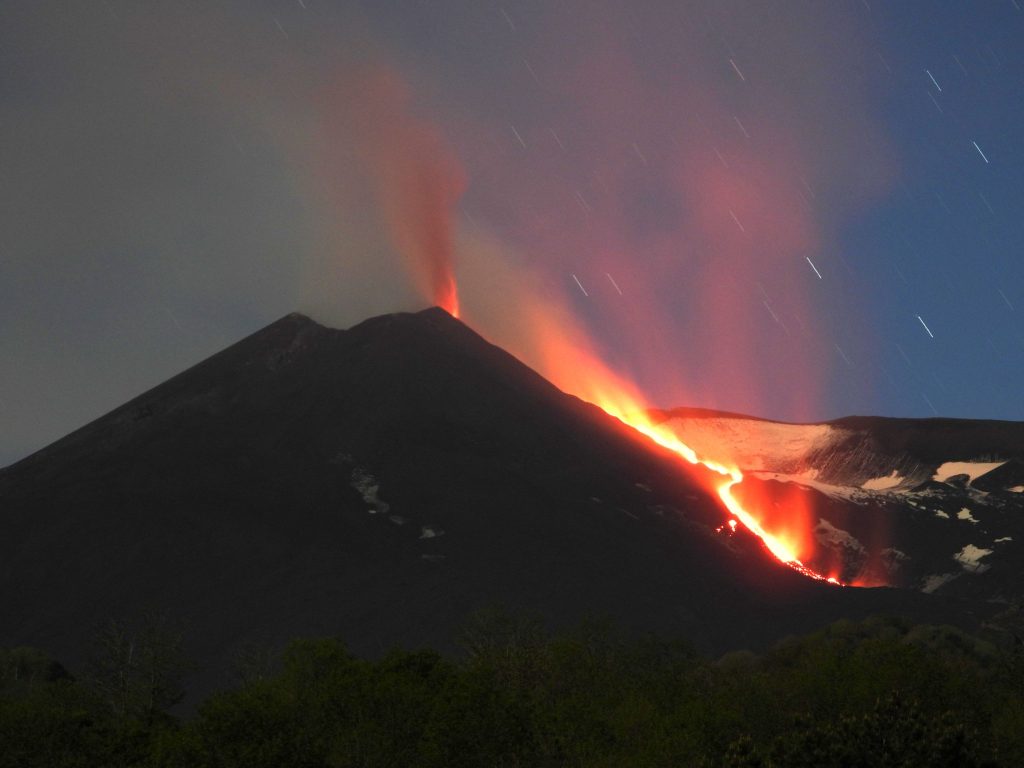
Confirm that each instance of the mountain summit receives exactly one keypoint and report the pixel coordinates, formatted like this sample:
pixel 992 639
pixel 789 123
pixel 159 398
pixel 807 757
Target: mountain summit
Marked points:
pixel 380 483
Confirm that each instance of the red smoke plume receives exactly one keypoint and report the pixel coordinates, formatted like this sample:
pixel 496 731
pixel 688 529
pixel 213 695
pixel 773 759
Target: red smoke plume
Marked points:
pixel 691 164
pixel 416 177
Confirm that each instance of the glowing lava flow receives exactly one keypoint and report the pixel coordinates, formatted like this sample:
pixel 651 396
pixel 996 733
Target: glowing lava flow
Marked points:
pixel 780 549
pixel 567 361
pixel 775 546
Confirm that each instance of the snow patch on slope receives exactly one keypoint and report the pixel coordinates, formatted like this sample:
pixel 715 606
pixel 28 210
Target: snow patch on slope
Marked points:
pixel 754 445
pixel 807 479
pixel 973 469
pixel 970 558
pixel 828 534
pixel 883 483
pixel 368 487
pixel 933 582
pixel 965 514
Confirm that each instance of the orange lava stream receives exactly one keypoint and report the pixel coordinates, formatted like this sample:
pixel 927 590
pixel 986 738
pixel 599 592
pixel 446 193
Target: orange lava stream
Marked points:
pixel 780 549
pixel 775 546
pixel 664 437
pixel 567 360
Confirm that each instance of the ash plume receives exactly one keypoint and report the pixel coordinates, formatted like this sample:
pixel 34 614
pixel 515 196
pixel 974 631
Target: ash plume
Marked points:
pixel 416 177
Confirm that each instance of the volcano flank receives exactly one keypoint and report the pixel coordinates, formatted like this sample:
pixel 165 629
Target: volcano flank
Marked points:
pixel 381 484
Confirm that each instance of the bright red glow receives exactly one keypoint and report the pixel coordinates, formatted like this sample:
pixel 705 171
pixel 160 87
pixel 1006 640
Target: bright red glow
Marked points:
pixel 417 179
pixel 566 361
pixel 695 249
pixel 785 545
pixel 448 298
pixel 685 199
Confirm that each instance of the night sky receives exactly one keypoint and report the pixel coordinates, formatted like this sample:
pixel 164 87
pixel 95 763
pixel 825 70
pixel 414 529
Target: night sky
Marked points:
pixel 799 210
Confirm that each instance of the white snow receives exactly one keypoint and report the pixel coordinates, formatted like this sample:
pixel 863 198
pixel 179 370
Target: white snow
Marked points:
pixel 893 554
pixel 970 558
pixel 827 533
pixel 368 488
pixel 931 583
pixel 807 479
pixel 972 468
pixel 882 483
pixel 754 445
pixel 429 532
pixel 965 514
pixel 940 513
pixel 1003 538
pixel 1016 489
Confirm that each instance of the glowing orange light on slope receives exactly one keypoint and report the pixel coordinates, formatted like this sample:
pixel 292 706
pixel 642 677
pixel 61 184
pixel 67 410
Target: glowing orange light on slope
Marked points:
pixel 782 550
pixel 565 360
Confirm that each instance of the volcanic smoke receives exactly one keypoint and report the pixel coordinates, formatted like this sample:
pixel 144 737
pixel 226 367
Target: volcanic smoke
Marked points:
pixel 417 180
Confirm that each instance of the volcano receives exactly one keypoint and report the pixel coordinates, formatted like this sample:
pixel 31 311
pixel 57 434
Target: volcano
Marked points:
pixel 380 484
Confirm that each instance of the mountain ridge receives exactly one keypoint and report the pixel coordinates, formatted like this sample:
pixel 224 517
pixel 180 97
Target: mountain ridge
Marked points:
pixel 381 483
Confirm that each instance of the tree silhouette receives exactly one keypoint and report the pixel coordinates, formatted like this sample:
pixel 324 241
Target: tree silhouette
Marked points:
pixel 138 667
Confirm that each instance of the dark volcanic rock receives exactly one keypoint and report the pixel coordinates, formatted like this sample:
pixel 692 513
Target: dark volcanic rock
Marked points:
pixel 380 483
pixel 1005 478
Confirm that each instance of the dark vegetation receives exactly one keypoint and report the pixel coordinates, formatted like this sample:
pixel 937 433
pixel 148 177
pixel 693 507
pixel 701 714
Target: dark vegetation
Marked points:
pixel 875 693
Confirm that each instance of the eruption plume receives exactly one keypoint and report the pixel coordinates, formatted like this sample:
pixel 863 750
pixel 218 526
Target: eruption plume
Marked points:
pixel 417 181
pixel 699 206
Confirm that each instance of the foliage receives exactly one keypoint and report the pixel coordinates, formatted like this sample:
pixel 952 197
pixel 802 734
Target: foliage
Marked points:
pixel 874 693
pixel 139 668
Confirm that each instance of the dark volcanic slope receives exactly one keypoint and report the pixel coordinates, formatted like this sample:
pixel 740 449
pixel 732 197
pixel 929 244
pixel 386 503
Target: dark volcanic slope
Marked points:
pixel 378 483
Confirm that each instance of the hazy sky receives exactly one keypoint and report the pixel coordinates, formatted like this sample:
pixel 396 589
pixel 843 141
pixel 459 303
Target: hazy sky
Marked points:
pixel 802 210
